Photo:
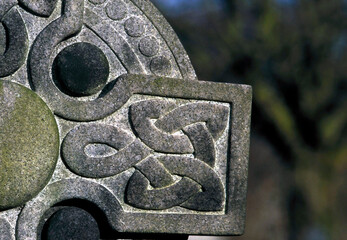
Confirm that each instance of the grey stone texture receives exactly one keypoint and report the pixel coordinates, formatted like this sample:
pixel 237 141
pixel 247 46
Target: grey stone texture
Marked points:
pixel 5 230
pixel 42 8
pixel 14 56
pixel 72 223
pixel 116 10
pixel 81 69
pixel 99 103
pixel 129 151
pixel 149 46
pixel 29 144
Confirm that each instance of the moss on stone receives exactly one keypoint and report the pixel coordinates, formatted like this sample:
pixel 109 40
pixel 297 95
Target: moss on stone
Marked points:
pixel 29 144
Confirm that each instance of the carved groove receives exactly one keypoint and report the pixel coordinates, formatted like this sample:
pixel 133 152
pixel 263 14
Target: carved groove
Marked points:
pixel 14 56
pixel 130 151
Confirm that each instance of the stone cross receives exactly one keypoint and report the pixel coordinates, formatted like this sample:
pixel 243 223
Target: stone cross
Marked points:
pixel 105 129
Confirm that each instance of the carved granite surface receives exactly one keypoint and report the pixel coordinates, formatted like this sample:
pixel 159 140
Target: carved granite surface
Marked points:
pixel 104 124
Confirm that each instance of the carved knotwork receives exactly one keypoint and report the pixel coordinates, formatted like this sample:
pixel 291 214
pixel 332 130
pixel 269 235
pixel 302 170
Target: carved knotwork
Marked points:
pixel 158 123
pixel 165 128
pixel 130 150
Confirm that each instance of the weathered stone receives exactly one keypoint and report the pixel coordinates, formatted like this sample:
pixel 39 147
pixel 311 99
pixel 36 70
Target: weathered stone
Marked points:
pixel 70 23
pixel 215 116
pixel 14 56
pixel 97 1
pixel 140 196
pixel 155 172
pixel 134 27
pixel 116 10
pixel 202 140
pixel 145 146
pixel 149 46
pixel 72 223
pixel 5 230
pixel 82 69
pixel 42 8
pixel 141 115
pixel 29 144
pixel 161 66
pixel 130 151
pixel 211 198
pixel 185 193
pixel 2 39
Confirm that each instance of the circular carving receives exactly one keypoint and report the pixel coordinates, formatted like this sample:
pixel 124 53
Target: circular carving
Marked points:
pixel 82 69
pixel 116 10
pixel 155 123
pixel 161 66
pixel 31 215
pixel 72 223
pixel 29 144
pixel 149 46
pixel 129 152
pixel 134 27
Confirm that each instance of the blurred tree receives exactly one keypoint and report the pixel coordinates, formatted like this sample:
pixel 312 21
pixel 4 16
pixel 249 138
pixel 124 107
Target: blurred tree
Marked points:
pixel 294 54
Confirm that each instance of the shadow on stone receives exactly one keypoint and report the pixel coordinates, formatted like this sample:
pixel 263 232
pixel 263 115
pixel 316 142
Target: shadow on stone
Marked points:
pixel 82 220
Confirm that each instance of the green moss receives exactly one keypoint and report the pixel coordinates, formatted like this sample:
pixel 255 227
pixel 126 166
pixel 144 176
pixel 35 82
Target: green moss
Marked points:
pixel 29 145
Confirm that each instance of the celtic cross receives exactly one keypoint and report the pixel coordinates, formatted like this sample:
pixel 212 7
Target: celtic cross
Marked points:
pixel 102 118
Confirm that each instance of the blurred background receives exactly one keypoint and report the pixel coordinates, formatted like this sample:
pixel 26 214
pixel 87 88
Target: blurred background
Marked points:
pixel 294 54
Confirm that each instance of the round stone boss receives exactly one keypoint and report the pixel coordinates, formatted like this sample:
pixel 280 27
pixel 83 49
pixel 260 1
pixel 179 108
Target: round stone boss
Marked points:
pixel 82 69
pixel 29 144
